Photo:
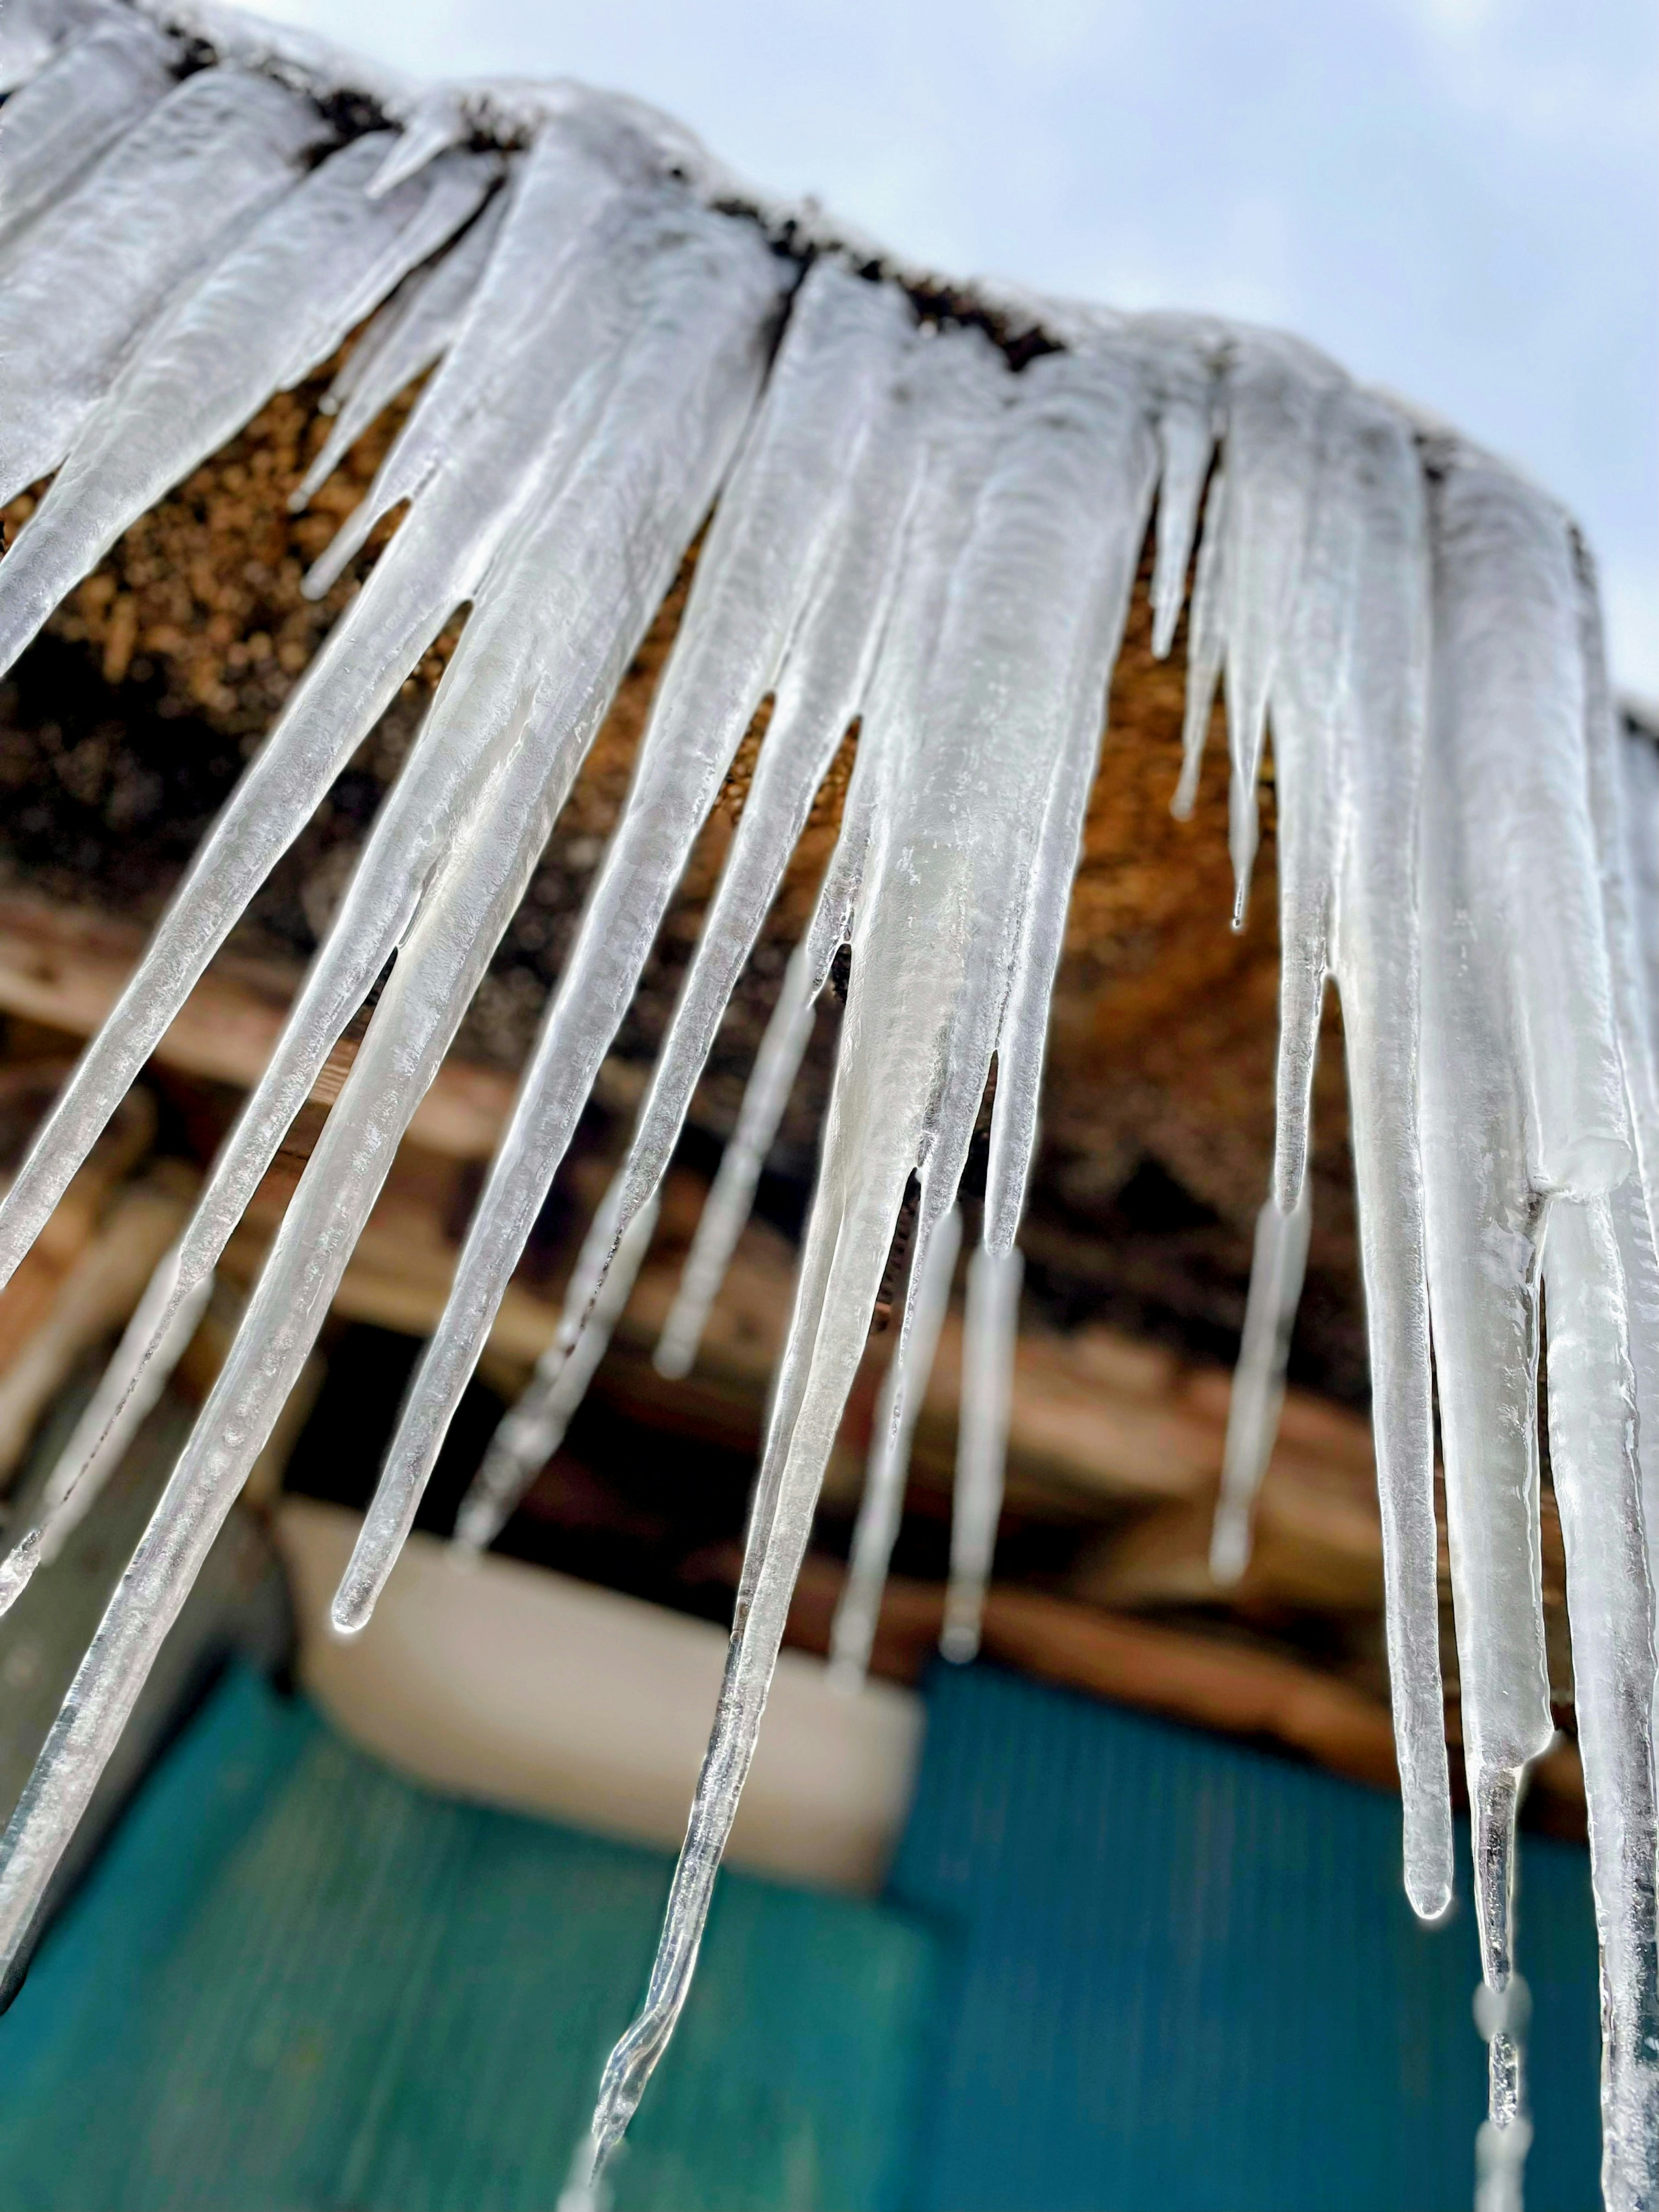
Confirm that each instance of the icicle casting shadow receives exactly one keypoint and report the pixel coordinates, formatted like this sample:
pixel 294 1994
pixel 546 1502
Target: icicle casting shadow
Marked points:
pixel 921 528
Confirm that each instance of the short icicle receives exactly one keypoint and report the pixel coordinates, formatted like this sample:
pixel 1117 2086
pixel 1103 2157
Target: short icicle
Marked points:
pixel 987 1377
pixel 532 1431
pixel 853 1632
pixel 1258 1393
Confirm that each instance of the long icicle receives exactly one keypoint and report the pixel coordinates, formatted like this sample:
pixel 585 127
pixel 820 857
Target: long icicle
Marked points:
pixel 1592 1415
pixel 820 692
pixel 775 526
pixel 1309 698
pixel 1375 959
pixel 475 473
pixel 623 535
pixel 994 703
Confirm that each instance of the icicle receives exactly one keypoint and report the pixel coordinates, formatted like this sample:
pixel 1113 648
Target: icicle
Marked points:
pixel 560 317
pixel 1509 610
pixel 532 1431
pixel 1619 839
pixel 777 526
pixel 86 278
pixel 1375 954
pixel 60 122
pixel 33 31
pixel 438 122
pixel 818 693
pixel 1281 1254
pixel 1311 706
pixel 1592 1415
pixel 1505 2137
pixel 621 527
pixel 279 302
pixel 1274 390
pixel 821 689
pixel 1186 439
pixel 572 198
pixel 733 1193
pixel 156 1341
pixel 954 838
pixel 988 1378
pixel 1206 646
pixel 898 1410
pixel 475 714
pixel 422 320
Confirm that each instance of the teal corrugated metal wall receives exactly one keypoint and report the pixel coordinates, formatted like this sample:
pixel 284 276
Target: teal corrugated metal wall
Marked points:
pixel 293 1981
pixel 1124 1968
pixel 1186 1979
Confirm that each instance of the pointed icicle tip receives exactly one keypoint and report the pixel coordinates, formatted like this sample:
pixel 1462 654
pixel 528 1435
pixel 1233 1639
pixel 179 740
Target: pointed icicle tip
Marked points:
pixel 17 1569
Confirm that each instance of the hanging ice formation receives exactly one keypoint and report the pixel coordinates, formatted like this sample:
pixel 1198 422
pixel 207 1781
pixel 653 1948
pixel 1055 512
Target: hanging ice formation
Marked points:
pixel 913 535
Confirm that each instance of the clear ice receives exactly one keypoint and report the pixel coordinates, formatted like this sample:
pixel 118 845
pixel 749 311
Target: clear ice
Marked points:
pixel 911 538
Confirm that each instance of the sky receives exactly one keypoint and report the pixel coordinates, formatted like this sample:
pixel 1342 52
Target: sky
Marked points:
pixel 1457 199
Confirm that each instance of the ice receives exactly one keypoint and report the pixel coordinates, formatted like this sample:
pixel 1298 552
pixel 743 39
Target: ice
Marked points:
pixel 775 530
pixel 1511 618
pixel 84 281
pixel 1186 377
pixel 1592 1427
pixel 1206 644
pixel 898 1410
pixel 479 712
pixel 61 121
pixel 818 693
pixel 415 329
pixel 1280 1256
pixel 478 472
pixel 1376 945
pixel 1019 626
pixel 547 664
pixel 916 543
pixel 733 1192
pixel 33 31
pixel 530 1434
pixel 1505 2136
pixel 1273 389
pixel 1484 1205
pixel 276 305
pixel 988 1376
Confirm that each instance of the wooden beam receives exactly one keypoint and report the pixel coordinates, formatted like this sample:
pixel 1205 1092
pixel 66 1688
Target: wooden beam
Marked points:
pixel 66 967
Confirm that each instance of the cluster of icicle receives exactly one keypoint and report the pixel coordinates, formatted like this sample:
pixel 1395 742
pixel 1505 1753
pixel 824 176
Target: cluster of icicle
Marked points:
pixel 911 535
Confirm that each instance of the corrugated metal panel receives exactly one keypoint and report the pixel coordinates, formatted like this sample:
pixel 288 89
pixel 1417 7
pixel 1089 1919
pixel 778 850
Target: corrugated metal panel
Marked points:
pixel 295 1981
pixel 1188 1981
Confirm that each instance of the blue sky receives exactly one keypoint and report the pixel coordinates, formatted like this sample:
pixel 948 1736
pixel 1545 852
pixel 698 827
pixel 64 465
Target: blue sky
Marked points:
pixel 1458 198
